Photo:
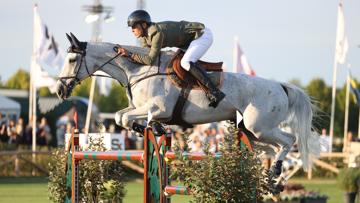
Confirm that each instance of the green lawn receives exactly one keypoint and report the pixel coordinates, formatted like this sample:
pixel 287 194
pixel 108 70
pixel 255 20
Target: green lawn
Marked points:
pixel 34 190
pixel 324 186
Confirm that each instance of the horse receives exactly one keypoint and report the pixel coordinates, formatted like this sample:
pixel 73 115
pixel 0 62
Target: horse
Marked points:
pixel 266 105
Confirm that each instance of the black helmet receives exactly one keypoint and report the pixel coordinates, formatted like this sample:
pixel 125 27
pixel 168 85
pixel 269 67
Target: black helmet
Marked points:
pixel 138 16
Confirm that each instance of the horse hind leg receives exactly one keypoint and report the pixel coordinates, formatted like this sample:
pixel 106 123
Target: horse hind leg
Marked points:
pixel 284 140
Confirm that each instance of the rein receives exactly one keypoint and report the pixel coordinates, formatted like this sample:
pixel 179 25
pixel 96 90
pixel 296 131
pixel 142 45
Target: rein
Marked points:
pixel 83 59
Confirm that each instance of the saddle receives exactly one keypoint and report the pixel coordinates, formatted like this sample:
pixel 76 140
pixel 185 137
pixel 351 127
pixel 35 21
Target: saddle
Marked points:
pixel 181 78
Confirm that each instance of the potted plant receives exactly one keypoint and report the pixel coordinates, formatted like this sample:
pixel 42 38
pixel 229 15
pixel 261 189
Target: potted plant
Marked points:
pixel 349 181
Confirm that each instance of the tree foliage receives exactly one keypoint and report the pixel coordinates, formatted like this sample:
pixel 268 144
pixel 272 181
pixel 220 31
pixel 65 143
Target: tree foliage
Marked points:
pixel 116 99
pixel 20 80
pixel 321 95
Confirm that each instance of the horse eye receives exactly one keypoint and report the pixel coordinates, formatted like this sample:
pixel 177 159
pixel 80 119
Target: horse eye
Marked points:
pixel 72 60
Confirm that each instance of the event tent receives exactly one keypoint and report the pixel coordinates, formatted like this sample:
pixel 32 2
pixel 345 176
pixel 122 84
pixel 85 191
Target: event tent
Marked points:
pixel 9 107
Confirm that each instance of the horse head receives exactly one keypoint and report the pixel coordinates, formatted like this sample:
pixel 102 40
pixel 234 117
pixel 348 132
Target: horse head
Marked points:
pixel 83 60
pixel 72 72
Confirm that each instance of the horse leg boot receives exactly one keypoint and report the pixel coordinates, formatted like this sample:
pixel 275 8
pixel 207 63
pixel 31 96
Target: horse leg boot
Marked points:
pixel 213 93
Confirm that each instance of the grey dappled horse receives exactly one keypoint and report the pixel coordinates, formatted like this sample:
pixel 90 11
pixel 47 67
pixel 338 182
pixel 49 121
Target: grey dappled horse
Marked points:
pixel 265 104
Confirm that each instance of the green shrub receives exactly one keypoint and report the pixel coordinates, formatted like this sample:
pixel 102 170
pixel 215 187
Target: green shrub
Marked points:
pixel 235 177
pixel 99 180
pixel 349 179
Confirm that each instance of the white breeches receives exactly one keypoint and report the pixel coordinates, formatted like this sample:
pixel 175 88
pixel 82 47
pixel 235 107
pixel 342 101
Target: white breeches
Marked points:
pixel 197 49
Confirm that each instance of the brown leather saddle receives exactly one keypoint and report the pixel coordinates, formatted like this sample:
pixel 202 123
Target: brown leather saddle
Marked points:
pixel 186 82
pixel 181 78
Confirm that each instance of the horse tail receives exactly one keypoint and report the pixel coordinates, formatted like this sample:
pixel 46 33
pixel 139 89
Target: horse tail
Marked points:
pixel 300 115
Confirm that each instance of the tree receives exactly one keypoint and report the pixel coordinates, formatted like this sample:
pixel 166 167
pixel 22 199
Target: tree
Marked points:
pixel 116 99
pixel 321 95
pixel 83 90
pixel 20 80
pixel 45 92
pixel 296 82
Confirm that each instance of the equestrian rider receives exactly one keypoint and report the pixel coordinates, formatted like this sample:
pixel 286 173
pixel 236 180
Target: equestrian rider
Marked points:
pixel 192 36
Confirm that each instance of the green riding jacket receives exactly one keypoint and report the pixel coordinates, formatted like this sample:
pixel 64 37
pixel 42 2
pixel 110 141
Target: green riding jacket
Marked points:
pixel 167 34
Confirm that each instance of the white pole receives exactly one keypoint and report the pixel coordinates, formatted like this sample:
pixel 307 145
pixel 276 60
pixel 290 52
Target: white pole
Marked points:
pixel 95 38
pixel 32 96
pixel 333 97
pixel 346 112
pixel 34 127
pixel 91 99
pixel 359 125
pixel 333 103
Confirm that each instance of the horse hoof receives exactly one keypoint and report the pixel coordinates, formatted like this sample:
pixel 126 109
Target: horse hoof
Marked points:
pixel 158 129
pixel 277 169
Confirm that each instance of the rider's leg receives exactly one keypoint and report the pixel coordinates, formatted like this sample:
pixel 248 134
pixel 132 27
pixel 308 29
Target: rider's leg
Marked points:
pixel 195 51
pixel 213 94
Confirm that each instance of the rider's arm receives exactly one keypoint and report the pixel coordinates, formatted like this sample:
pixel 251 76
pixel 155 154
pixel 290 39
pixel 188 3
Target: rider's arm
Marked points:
pixel 156 38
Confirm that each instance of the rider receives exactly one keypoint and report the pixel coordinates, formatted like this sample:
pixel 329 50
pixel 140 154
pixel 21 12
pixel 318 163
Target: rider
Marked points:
pixel 192 36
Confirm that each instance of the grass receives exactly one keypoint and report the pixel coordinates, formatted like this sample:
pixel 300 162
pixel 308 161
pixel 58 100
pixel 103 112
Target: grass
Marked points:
pixel 324 186
pixel 31 190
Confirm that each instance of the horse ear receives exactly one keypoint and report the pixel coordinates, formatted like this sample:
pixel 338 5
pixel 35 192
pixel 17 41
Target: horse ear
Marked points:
pixel 75 41
pixel 69 38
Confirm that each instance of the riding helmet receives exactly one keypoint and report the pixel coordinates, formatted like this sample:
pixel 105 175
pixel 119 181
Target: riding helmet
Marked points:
pixel 138 16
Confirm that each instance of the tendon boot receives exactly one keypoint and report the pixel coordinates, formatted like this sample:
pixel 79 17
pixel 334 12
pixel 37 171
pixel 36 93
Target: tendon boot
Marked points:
pixel 213 93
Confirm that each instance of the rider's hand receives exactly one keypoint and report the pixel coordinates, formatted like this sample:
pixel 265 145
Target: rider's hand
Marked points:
pixel 123 52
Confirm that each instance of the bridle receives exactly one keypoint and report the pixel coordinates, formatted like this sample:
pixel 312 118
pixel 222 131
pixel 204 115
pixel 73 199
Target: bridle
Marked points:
pixel 75 78
pixel 82 53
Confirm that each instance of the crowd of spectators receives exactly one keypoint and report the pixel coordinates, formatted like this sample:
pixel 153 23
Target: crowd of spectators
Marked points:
pixel 14 133
pixel 198 137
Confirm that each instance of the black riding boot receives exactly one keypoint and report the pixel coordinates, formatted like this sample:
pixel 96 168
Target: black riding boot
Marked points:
pixel 214 94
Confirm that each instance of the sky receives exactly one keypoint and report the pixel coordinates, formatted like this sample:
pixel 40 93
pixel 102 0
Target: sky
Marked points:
pixel 282 40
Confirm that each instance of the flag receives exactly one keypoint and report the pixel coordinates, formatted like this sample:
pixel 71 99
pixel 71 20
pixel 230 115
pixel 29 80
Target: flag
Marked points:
pixel 342 45
pixel 355 91
pixel 40 77
pixel 46 53
pixel 240 63
pixel 45 47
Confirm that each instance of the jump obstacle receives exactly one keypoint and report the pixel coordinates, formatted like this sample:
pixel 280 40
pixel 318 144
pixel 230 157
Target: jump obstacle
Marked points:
pixel 157 188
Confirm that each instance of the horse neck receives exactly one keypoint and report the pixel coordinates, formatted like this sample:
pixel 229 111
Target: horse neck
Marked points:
pixel 133 71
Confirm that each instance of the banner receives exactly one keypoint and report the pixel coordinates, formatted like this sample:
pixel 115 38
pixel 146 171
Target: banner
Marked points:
pixel 240 63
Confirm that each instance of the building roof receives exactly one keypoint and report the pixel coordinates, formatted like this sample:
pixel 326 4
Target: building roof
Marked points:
pixel 9 106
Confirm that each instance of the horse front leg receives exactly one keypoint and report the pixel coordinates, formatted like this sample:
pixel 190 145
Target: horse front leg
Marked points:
pixel 119 114
pixel 158 108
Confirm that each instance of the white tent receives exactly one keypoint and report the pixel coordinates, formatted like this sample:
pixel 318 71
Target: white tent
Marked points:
pixel 9 107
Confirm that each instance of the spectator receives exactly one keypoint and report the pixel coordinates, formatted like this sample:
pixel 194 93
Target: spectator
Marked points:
pixel 324 141
pixel 20 131
pixel 3 132
pixel 69 126
pixel 28 133
pixel 196 145
pixel 61 130
pixel 11 132
pixel 43 134
pixel 212 145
